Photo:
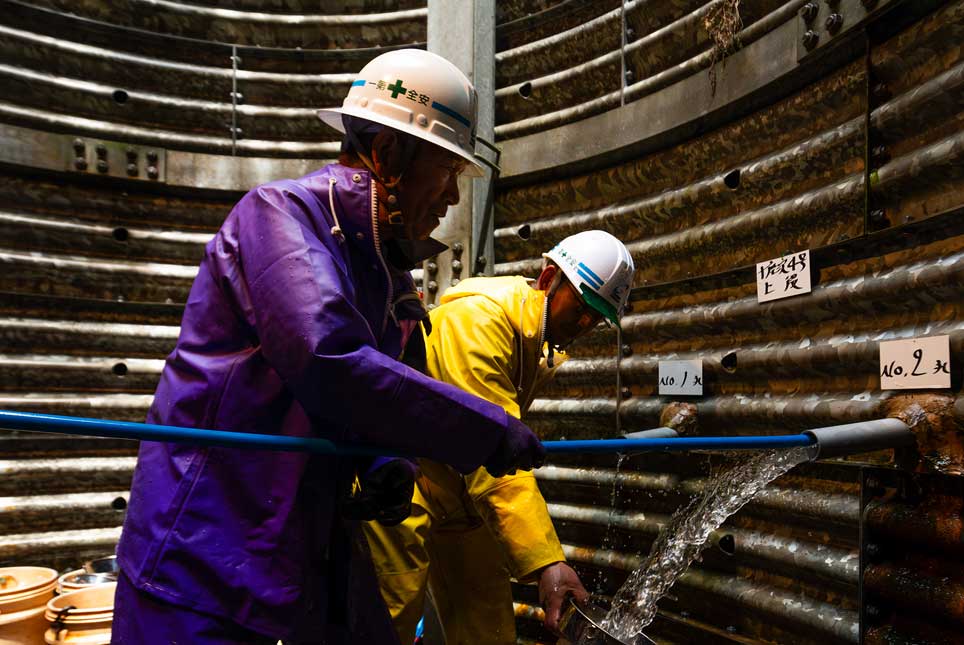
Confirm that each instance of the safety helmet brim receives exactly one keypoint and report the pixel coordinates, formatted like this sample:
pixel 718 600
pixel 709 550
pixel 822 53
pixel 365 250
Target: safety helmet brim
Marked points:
pixel 332 117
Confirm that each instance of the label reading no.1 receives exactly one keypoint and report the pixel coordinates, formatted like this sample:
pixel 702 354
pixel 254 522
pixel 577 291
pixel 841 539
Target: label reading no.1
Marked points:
pixel 681 377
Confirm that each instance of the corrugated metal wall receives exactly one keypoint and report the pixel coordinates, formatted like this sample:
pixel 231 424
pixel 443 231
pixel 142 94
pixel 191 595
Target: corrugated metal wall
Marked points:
pixel 127 132
pixel 698 207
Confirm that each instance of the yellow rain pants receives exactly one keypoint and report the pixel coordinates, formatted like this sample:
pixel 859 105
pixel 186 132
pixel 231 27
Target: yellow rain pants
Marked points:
pixel 469 536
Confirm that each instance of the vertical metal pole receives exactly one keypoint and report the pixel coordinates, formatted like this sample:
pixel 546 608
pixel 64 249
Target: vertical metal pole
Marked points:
pixel 619 379
pixel 234 100
pixel 463 32
pixel 622 53
pixel 868 174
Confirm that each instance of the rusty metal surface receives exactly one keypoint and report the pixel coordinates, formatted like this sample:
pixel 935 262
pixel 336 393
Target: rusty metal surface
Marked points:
pixel 573 93
pixel 790 571
pixel 314 29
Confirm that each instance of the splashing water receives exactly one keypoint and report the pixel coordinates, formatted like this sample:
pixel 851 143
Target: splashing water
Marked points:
pixel 678 543
pixel 607 537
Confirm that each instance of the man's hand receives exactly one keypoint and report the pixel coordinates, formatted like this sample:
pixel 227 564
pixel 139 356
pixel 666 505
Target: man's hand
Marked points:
pixel 385 492
pixel 519 449
pixel 555 582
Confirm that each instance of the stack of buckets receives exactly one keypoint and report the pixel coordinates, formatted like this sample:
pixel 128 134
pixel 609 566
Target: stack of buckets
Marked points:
pixel 31 613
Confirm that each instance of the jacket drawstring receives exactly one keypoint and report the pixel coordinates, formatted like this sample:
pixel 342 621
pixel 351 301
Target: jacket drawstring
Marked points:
pixel 336 231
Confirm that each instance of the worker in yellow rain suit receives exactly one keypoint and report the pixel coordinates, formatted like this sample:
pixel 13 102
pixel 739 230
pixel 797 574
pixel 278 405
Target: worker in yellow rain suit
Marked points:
pixel 468 535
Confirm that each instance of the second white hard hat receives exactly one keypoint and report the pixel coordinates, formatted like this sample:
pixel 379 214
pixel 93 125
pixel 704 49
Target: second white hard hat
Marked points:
pixel 600 267
pixel 419 93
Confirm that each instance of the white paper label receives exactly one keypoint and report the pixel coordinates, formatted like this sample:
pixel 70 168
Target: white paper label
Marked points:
pixel 681 377
pixel 915 363
pixel 783 277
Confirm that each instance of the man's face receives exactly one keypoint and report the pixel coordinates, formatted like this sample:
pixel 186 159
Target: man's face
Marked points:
pixel 569 315
pixel 429 186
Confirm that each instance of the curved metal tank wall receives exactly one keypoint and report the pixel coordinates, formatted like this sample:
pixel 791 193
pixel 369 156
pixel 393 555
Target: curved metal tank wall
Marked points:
pixel 839 134
pixel 127 132
pixel 128 129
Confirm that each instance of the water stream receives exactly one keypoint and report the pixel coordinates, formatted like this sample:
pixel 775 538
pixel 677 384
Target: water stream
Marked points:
pixel 607 537
pixel 678 543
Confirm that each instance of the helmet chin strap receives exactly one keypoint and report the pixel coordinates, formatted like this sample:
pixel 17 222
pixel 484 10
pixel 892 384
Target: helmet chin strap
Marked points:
pixel 402 250
pixel 553 348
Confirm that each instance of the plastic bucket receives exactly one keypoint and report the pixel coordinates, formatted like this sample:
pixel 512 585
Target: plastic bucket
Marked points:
pixel 24 592
pixel 81 617
pixel 581 626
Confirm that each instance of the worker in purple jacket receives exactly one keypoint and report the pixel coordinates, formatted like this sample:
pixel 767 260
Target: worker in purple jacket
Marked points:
pixel 301 312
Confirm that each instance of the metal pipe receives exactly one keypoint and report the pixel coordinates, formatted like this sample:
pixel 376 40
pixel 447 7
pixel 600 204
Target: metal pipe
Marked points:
pixel 855 438
pixel 655 433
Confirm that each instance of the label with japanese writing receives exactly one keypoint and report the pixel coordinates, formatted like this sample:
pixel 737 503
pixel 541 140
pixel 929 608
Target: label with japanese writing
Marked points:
pixel 915 363
pixel 783 277
pixel 681 377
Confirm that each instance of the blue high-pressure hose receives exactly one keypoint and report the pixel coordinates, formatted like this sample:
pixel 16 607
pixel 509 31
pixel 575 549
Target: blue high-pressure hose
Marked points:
pixel 149 432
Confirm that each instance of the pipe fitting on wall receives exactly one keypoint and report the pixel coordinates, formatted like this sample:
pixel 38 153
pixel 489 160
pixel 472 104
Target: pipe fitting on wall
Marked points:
pixel 856 438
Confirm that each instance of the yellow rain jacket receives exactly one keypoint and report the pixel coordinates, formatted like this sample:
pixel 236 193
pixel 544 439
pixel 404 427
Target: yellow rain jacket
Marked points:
pixel 477 531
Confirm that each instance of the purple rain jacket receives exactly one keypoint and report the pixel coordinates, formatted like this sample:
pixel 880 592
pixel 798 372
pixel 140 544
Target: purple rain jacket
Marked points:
pixel 288 330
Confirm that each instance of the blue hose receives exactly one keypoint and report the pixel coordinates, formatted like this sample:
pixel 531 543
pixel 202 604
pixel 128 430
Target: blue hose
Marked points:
pixel 150 432
pixel 678 444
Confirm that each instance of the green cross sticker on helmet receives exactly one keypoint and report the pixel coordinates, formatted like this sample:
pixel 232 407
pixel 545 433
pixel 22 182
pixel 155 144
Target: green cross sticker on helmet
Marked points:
pixel 600 267
pixel 418 93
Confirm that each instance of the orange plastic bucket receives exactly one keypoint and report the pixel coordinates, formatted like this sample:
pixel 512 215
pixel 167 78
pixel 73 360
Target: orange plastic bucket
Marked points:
pixel 24 592
pixel 89 620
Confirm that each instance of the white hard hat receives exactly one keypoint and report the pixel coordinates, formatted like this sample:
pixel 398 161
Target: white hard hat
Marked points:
pixel 419 93
pixel 600 267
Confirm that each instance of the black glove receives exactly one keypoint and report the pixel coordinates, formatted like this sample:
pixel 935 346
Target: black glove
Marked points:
pixel 519 449
pixel 384 493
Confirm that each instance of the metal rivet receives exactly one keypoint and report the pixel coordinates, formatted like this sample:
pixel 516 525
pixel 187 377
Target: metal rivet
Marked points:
pixel 101 166
pixel 833 22
pixel 627 350
pixel 363 102
pixel 457 249
pixel 152 172
pixel 456 266
pixel 630 34
pixel 356 178
pixel 131 154
pixel 454 281
pixel 152 156
pixel 80 163
pixel 432 286
pixel 810 39
pixel 422 120
pixel 431 267
pixel 79 146
pixel 809 11
pixel 101 150
pixel 481 261
pixel 132 169
pixel 359 236
pixel 626 393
